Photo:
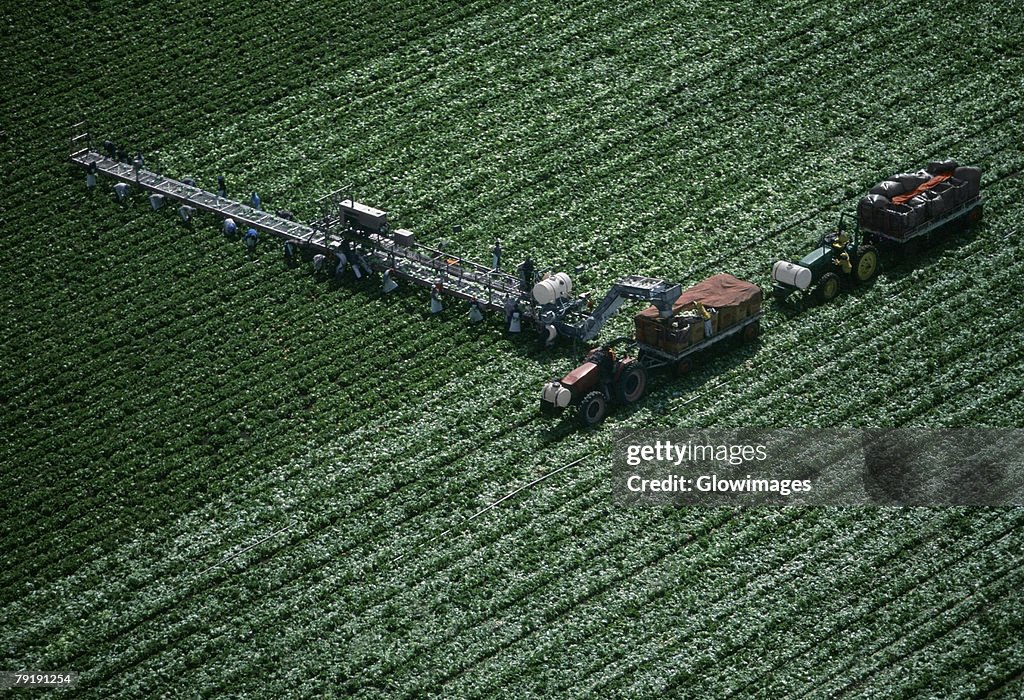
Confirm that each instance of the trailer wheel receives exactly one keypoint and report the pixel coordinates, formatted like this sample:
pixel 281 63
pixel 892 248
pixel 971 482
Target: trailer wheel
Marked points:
pixel 828 287
pixel 752 331
pixel 593 408
pixel 682 367
pixel 632 383
pixel 975 215
pixel 866 266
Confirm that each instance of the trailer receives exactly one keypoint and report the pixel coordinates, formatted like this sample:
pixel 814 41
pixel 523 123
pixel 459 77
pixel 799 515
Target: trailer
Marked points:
pixel 667 335
pixel 898 215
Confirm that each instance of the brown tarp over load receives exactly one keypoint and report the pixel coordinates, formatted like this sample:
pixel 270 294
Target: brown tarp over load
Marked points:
pixel 728 300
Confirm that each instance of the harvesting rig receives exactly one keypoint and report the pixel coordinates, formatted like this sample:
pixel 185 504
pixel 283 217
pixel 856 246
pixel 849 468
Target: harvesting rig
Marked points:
pixel 897 214
pixel 678 325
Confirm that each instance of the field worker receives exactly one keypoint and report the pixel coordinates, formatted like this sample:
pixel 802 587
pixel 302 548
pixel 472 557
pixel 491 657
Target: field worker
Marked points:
pixel 230 227
pixel 510 308
pixel 110 149
pixel 342 263
pixel 526 274
pixel 255 200
pixel 706 315
pixel 388 285
pixel 435 299
pixel 290 248
pixel 496 255
pixel 252 237
pixel 121 190
pixel 90 174
pixel 842 260
pixel 137 165
pixel 476 315
pixel 285 214
pixel 515 325
pixel 318 262
pixel 222 188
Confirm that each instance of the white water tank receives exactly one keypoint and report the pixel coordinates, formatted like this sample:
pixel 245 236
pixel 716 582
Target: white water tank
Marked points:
pixel 557 286
pixel 556 395
pixel 792 275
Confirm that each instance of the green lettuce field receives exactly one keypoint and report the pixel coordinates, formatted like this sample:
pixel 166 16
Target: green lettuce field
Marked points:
pixel 223 476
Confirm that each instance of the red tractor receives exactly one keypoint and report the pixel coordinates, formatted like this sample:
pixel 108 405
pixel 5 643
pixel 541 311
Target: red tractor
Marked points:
pixel 603 378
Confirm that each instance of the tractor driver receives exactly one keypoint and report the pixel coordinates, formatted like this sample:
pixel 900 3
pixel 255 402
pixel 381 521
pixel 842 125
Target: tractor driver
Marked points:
pixel 840 256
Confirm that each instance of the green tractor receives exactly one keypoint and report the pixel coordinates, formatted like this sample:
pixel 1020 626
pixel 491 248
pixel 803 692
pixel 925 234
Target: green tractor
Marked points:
pixel 838 257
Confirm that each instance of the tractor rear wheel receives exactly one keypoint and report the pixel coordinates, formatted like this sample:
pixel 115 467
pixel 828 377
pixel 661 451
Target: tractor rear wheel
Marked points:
pixel 865 267
pixel 593 409
pixel 828 287
pixel 632 383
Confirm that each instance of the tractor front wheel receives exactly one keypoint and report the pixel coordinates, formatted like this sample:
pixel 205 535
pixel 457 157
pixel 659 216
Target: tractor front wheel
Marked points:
pixel 866 266
pixel 828 287
pixel 593 409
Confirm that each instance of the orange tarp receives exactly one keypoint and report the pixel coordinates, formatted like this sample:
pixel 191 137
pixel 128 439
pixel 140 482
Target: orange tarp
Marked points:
pixel 902 198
